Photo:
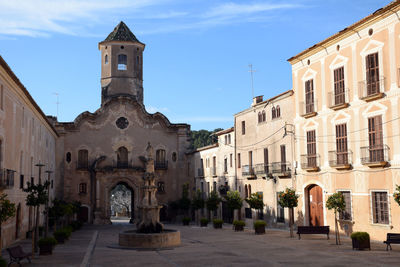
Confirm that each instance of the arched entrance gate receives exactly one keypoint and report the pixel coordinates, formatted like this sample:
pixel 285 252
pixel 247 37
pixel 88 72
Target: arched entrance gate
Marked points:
pixel 122 201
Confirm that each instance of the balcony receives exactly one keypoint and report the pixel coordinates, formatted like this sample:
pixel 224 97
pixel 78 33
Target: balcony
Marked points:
pixel 371 89
pixel 6 179
pixel 82 165
pixel 310 162
pixel 262 169
pixel 375 156
pixel 213 171
pixel 340 160
pixel 281 169
pixel 339 100
pixel 248 171
pixel 120 165
pixel 161 165
pixel 200 172
pixel 308 110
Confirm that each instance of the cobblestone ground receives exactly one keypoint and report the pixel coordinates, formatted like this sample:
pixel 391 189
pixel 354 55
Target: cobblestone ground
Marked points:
pixel 211 247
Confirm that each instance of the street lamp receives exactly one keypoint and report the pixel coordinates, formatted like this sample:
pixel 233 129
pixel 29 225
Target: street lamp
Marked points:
pixel 47 204
pixel 40 165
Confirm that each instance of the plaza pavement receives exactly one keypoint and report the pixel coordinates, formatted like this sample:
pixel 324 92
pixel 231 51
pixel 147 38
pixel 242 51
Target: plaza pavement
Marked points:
pixel 91 246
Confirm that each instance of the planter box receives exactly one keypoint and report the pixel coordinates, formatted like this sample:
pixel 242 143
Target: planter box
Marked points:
pixel 46 250
pixel 60 240
pixel 217 225
pixel 360 245
pixel 260 230
pixel 185 223
pixel 238 228
pixel 203 224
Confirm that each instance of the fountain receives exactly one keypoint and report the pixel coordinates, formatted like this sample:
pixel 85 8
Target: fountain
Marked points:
pixel 150 233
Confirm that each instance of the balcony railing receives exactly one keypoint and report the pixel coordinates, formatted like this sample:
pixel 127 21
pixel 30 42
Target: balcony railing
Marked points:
pixel 161 165
pixel 338 100
pixel 6 178
pixel 213 171
pixel 120 165
pixel 372 88
pixel 200 172
pixel 308 110
pixel 281 169
pixel 82 165
pixel 262 169
pixel 310 162
pixel 375 156
pixel 340 160
pixel 248 170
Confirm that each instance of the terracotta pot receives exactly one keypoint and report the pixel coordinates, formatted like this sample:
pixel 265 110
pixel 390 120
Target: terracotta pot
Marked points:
pixel 46 249
pixel 203 224
pixel 60 240
pixel 239 228
pixel 217 225
pixel 360 245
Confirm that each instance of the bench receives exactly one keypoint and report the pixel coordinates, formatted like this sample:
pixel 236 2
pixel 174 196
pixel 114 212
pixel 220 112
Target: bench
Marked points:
pixel 17 254
pixel 391 239
pixel 311 230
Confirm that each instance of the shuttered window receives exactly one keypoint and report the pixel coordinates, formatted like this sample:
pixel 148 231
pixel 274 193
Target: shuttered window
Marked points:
pixel 375 138
pixel 309 96
pixel 341 144
pixel 372 75
pixel 311 149
pixel 346 214
pixel 266 161
pixel 338 77
pixel 380 207
pixel 83 158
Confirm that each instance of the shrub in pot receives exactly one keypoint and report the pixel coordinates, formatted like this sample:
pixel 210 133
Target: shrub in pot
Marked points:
pixel 46 245
pixel 238 225
pixel 61 235
pixel 259 227
pixel 360 240
pixel 217 223
pixel 3 262
pixel 203 222
pixel 41 230
pixel 186 220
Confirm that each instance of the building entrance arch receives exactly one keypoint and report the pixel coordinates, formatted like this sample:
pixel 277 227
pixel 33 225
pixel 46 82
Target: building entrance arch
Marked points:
pixel 122 200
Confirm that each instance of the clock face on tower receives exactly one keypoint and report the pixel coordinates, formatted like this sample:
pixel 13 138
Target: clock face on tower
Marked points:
pixel 122 122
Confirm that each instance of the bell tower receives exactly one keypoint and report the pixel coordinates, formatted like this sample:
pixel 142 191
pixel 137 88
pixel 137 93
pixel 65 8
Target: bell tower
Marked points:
pixel 121 65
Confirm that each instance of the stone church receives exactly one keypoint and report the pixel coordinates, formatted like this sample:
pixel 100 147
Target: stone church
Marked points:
pixel 100 150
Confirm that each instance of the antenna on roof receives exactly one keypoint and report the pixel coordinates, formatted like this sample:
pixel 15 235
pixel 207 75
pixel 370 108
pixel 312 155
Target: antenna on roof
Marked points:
pixel 252 80
pixel 57 103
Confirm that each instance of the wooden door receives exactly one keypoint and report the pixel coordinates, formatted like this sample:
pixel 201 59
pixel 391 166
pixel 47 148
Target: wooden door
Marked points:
pixel 316 206
pixel 83 214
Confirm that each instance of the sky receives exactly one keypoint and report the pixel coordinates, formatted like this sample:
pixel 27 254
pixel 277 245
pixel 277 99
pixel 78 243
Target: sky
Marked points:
pixel 197 55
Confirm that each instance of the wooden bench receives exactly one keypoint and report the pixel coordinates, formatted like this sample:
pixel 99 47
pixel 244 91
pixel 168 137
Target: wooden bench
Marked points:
pixel 391 238
pixel 311 230
pixel 17 254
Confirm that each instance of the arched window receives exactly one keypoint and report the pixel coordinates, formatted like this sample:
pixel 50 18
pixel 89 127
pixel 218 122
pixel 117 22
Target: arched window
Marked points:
pixel 263 116
pixel 160 163
pixel 259 117
pixel 83 162
pixel 249 190
pixel 278 111
pixel 273 113
pixel 122 62
pixel 245 191
pixel 122 157
pixel 82 188
pixel 106 59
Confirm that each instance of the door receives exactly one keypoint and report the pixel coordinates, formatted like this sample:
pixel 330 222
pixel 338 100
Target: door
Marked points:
pixel 316 206
pixel 83 214
pixel 309 96
pixel 311 149
pixel 227 214
pixel 338 75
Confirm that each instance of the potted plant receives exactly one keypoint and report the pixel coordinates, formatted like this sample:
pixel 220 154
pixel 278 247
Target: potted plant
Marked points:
pixel 234 201
pixel 185 220
pixel 218 223
pixel 360 240
pixel 256 202
pixel 259 227
pixel 46 245
pixel 239 225
pixel 41 230
pixel 203 222
pixel 3 262
pixel 61 235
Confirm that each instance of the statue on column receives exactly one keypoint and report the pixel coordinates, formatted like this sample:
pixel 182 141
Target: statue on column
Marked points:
pixel 149 208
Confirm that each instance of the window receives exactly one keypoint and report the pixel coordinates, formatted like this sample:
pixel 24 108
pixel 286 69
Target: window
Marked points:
pixel 122 157
pixel 83 159
pixel 372 75
pixel 266 161
pixel 250 159
pixel 346 214
pixel 231 160
pixel 249 188
pixel 309 96
pixel 122 62
pixel 226 139
pixel 51 184
pixel 106 59
pixel 380 207
pixel 280 211
pixel 263 116
pixel 21 181
pixel 82 188
pixel 137 59
pixel 10 178
pixel 1 97
pixel 225 165
pixel 338 78
pixel 68 157
pixel 375 138
pixel 259 117
pixel 160 187
pixel 341 144
pixel 278 111
pixel 229 138
pixel 160 155
pixel 238 160
pixel 273 113
pixel 243 127
pixel 283 158
pixel 32 180
pixel 311 149
pixel 214 164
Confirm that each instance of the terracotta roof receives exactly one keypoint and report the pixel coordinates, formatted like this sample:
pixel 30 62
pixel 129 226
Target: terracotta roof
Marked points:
pixel 346 31
pixel 207 147
pixel 14 77
pixel 224 131
pixel 121 33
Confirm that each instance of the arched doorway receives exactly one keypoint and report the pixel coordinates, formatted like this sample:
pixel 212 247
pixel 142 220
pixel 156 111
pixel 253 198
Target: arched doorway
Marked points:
pixel 315 205
pixel 122 201
pixel 18 221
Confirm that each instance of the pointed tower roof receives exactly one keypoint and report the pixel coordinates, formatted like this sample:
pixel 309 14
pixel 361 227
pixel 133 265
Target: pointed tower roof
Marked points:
pixel 121 33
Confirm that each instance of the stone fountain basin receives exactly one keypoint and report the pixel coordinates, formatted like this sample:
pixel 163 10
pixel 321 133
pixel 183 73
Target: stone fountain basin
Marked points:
pixel 166 239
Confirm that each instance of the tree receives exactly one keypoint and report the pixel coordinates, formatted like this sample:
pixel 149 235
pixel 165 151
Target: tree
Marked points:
pixel 396 194
pixel 289 199
pixel 7 210
pixel 37 195
pixel 184 202
pixel 197 201
pixel 212 202
pixel 256 202
pixel 203 138
pixel 121 198
pixel 234 201
pixel 337 203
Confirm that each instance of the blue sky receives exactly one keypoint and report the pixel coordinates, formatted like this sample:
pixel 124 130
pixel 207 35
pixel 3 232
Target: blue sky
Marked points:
pixel 196 57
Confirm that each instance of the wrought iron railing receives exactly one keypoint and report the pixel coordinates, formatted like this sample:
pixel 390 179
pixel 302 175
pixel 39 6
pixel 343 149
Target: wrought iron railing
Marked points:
pixel 247 170
pixel 337 159
pixel 310 161
pixel 371 87
pixel 374 154
pixel 338 98
pixel 262 168
pixel 309 108
pixel 283 168
pixel 161 165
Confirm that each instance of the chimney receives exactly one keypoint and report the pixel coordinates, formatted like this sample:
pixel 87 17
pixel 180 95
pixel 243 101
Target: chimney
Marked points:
pixel 257 99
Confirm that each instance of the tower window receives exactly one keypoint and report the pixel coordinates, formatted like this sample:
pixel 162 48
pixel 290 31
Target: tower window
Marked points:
pixel 122 61
pixel 106 59
pixel 137 59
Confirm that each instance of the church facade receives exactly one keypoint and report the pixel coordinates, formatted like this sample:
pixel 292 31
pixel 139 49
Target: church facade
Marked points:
pixel 100 150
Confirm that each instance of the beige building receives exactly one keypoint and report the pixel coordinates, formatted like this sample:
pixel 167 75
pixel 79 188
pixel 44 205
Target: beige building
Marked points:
pixel 98 151
pixel 264 154
pixel 26 139
pixel 347 125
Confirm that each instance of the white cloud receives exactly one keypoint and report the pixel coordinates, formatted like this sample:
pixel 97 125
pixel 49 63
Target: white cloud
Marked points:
pixel 152 109
pixel 205 119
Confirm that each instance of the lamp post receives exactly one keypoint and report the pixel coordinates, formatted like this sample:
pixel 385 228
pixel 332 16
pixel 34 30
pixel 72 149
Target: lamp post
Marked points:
pixel 47 204
pixel 36 236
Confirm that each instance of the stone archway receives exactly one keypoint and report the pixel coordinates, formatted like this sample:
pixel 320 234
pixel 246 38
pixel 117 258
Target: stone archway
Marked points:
pixel 314 205
pixel 122 196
